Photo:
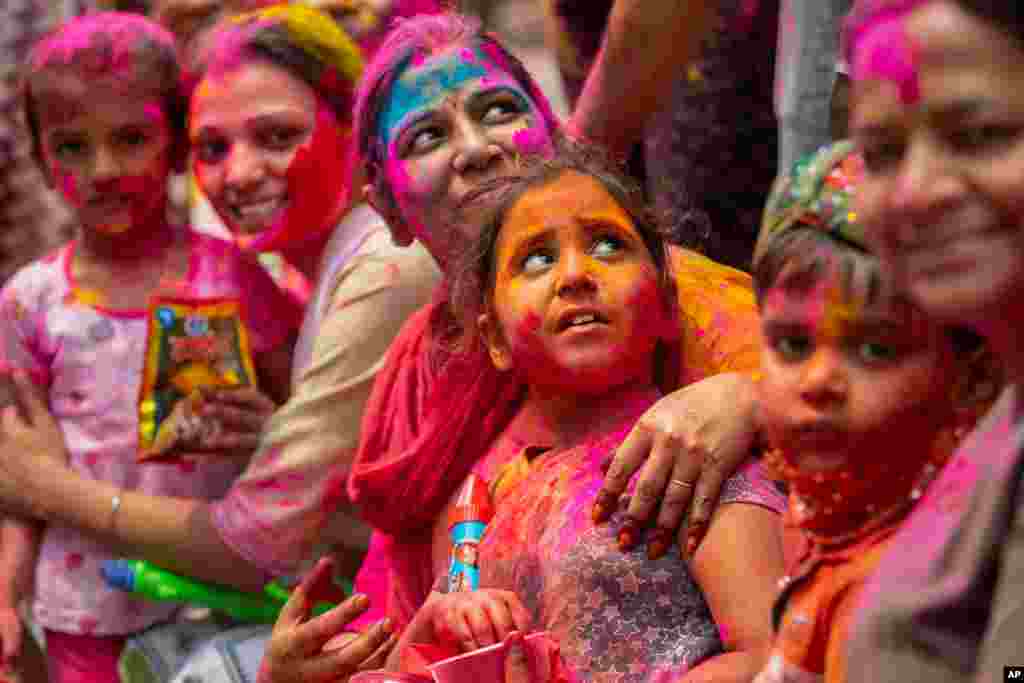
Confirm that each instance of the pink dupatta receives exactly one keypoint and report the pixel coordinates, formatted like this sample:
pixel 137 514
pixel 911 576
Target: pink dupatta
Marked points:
pixel 431 416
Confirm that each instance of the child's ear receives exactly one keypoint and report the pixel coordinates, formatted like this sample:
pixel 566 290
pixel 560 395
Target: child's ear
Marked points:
pixel 494 340
pixel 401 235
pixel 979 380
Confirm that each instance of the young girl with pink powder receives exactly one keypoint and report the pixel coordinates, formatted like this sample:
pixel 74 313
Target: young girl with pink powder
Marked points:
pixel 569 290
pixel 102 101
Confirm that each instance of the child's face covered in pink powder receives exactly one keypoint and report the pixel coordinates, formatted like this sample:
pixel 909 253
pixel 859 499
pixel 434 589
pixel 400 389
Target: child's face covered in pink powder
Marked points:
pixel 577 302
pixel 844 379
pixel 268 154
pixel 938 111
pixel 452 121
pixel 107 150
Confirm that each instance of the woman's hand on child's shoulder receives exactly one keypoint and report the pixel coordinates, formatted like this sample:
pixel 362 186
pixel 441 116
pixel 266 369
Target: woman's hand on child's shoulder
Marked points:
pixel 685 446
pixel 475 619
pixel 314 650
pixel 241 414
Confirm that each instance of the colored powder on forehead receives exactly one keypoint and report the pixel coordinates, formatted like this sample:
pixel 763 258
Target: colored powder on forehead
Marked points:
pixel 102 42
pixel 60 94
pixel 885 51
pixel 840 310
pixel 412 91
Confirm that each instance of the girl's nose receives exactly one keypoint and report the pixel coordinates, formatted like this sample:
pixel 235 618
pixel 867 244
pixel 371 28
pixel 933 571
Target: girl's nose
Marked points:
pixel 105 165
pixel 824 378
pixel 574 273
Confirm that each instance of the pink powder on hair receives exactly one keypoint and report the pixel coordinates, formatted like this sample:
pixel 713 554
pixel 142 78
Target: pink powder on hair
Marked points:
pixel 227 46
pixel 113 40
pixel 885 51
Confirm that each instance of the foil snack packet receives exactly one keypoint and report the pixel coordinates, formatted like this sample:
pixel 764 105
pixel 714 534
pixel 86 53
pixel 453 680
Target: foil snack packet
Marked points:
pixel 193 346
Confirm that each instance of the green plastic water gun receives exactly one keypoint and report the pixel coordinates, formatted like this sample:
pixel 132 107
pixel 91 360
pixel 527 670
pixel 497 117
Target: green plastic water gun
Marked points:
pixel 149 581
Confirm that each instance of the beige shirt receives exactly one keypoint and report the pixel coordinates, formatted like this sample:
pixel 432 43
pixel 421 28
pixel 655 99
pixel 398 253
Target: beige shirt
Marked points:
pixel 291 502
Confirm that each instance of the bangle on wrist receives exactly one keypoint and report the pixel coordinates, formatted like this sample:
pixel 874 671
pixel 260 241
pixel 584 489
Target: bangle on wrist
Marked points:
pixel 115 506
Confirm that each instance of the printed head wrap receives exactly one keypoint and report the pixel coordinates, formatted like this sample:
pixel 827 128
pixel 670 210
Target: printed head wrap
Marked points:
pixel 817 193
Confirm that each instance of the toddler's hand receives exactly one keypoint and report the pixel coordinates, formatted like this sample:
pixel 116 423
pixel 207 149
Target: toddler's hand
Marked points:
pixel 241 413
pixel 479 618
pixel 11 634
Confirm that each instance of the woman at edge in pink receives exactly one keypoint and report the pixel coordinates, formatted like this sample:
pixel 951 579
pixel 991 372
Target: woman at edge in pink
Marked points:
pixel 937 111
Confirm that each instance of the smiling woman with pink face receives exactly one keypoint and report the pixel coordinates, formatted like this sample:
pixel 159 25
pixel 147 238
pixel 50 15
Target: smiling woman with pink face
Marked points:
pixel 270 128
pixel 937 109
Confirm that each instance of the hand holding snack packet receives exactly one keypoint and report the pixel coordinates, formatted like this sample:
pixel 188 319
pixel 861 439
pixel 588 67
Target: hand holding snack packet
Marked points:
pixel 197 351
pixel 241 413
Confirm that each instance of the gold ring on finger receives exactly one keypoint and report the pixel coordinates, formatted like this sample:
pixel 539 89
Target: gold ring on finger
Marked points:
pixel 680 482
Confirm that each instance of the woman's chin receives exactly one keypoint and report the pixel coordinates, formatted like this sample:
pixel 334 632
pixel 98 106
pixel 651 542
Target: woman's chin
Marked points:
pixel 252 234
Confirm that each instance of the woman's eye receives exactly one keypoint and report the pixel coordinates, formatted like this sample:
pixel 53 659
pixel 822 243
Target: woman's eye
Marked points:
pixel 608 245
pixel 132 138
pixel 69 149
pixel 880 156
pixel 873 353
pixel 537 260
pixel 982 137
pixel 211 151
pixel 280 139
pixel 792 347
pixel 501 111
pixel 425 140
